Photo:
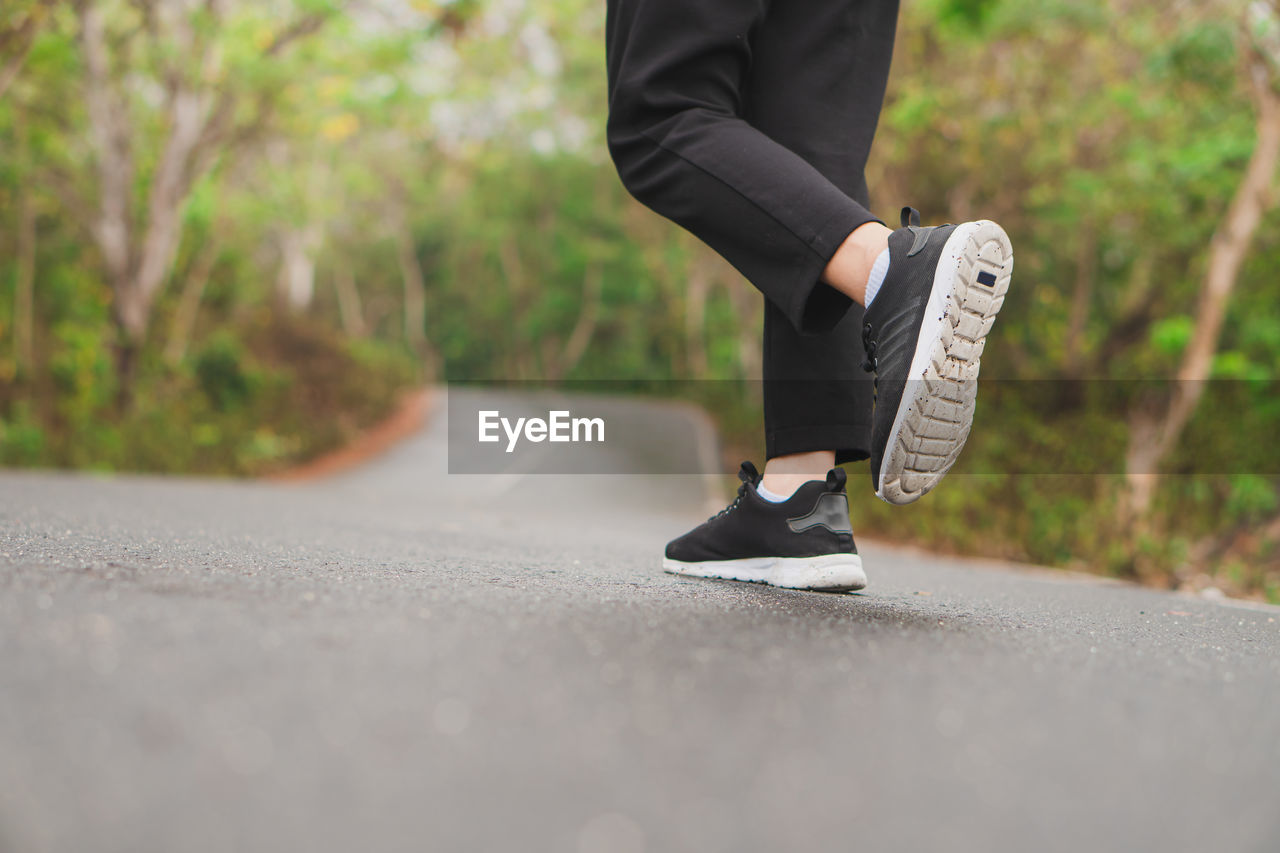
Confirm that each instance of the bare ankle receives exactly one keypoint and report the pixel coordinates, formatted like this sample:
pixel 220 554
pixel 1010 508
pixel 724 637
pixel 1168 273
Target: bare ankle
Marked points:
pixel 784 474
pixel 848 269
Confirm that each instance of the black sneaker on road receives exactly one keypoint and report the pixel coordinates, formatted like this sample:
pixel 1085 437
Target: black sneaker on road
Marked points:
pixel 924 334
pixel 804 542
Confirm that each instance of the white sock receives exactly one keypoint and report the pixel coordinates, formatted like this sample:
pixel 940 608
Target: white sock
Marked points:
pixel 771 497
pixel 878 271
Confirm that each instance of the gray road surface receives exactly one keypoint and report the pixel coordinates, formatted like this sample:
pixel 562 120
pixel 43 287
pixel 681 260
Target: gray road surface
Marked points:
pixel 398 659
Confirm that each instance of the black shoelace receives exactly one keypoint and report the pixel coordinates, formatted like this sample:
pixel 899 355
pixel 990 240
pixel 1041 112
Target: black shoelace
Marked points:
pixel 742 491
pixel 910 219
pixel 870 364
pixel 747 474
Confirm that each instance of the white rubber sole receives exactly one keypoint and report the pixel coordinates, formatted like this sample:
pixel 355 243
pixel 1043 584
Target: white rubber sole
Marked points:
pixel 936 411
pixel 829 572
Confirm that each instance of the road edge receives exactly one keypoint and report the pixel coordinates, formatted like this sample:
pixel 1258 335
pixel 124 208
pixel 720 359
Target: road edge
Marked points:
pixel 408 417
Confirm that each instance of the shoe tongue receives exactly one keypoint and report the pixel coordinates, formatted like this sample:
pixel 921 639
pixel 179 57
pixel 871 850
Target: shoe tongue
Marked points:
pixel 748 473
pixel 836 479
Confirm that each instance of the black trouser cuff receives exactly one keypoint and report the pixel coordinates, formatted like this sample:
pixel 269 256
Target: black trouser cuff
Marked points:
pixel 849 441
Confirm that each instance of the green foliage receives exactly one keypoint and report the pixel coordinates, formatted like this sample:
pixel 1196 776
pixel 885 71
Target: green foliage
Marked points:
pixel 1171 335
pixel 1251 498
pixel 965 15
pixel 1107 138
pixel 281 392
pixel 22 441
pixel 222 375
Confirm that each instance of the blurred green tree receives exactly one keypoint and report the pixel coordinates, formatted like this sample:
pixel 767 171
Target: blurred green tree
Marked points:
pixel 265 218
pixel 164 85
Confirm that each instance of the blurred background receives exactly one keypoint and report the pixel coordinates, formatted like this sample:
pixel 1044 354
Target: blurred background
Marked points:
pixel 233 234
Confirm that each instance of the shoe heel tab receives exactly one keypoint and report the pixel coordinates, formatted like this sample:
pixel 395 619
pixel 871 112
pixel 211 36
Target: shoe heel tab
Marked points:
pixel 831 511
pixel 836 479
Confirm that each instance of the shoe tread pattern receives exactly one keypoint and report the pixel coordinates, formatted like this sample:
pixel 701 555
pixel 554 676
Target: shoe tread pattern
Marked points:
pixel 940 414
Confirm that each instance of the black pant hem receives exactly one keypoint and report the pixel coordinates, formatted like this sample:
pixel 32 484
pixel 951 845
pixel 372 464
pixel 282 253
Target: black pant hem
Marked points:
pixel 847 440
pixel 818 307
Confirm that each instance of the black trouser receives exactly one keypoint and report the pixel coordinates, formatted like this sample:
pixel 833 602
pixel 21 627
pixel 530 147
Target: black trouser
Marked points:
pixel 749 123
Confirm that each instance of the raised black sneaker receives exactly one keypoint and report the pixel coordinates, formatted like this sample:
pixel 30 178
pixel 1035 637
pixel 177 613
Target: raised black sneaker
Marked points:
pixel 924 334
pixel 804 542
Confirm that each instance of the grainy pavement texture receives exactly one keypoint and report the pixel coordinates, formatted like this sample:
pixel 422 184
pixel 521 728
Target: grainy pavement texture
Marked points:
pixel 401 659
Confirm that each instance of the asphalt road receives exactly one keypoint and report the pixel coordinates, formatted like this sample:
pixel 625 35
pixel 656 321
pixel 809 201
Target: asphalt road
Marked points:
pixel 400 659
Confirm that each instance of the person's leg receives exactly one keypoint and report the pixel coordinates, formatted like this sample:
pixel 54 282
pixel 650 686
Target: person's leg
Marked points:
pixel 678 136
pixel 816 85
pixel 750 123
pixel 688 82
pixel 817 79
pixel 720 112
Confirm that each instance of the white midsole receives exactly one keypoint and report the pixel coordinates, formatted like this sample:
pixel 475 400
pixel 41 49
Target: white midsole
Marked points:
pixel 826 571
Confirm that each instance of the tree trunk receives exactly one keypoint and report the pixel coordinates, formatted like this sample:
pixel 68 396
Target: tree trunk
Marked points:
pixel 415 288
pixel 1081 298
pixel 24 290
pixel 138 246
pixel 349 307
pixel 112 225
pixel 583 328
pixel 695 316
pixel 1135 316
pixel 184 319
pixel 126 354
pixel 415 298
pixel 113 162
pixel 1154 432
pixel 748 306
pixel 527 360
pixel 23 298
pixel 169 190
pixel 22 38
pixel 297 280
